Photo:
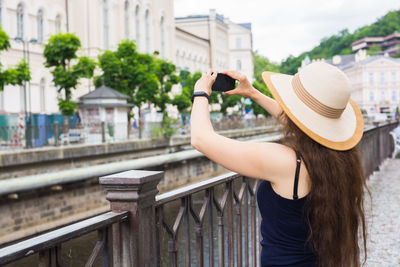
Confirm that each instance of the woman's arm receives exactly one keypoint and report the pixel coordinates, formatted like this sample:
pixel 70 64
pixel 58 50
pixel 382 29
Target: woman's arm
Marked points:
pixel 256 160
pixel 245 89
pixel 267 103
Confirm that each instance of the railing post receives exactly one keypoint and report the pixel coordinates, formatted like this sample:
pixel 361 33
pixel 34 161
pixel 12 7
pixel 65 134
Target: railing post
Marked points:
pixel 134 191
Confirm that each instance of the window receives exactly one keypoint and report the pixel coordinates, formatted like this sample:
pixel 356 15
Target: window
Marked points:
pixel 42 88
pixel 147 18
pixel 394 95
pixel 371 96
pixel 105 24
pixel 382 80
pixel 40 26
pixel 162 37
pixel 371 78
pixel 393 76
pixel 20 21
pixel 126 12
pixel 383 95
pixel 137 18
pixel 22 99
pixel 58 23
pixel 238 42
pixel 238 64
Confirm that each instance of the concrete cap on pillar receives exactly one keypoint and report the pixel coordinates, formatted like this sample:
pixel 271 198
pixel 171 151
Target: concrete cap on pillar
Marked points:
pixel 133 177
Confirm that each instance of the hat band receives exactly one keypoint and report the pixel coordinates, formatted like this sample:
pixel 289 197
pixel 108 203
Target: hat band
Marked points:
pixel 312 102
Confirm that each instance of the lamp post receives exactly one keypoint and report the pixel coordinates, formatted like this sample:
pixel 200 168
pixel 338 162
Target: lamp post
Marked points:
pixel 28 130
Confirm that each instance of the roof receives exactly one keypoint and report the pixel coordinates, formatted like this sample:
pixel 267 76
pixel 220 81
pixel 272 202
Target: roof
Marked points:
pixel 368 60
pixel 344 60
pixel 193 17
pixel 104 92
pixel 104 105
pixel 246 25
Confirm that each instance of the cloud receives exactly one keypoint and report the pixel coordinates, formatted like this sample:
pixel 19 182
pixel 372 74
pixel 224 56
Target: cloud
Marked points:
pixel 285 27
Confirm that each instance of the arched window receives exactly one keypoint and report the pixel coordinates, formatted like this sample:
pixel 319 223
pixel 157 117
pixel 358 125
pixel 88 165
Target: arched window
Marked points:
pixel 58 23
pixel 126 16
pixel 137 22
pixel 40 26
pixel 105 23
pixel 162 37
pixel 147 19
pixel 42 88
pixel 238 64
pixel 20 21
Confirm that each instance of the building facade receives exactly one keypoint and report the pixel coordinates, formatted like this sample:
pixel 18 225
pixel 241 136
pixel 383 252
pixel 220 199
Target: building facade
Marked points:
pixel 215 42
pixel 192 43
pixel 375 80
pixel 388 44
pixel 99 24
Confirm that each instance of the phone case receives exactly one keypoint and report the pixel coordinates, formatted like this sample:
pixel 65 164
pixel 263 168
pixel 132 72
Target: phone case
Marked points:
pixel 223 83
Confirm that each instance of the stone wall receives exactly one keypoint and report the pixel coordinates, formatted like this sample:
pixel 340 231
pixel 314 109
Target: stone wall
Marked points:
pixel 31 212
pixel 50 159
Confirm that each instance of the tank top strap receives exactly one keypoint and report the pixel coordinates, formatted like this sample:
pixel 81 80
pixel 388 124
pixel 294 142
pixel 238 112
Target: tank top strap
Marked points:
pixel 296 176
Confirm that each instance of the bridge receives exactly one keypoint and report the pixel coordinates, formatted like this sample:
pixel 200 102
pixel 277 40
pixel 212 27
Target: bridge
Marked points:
pixel 214 222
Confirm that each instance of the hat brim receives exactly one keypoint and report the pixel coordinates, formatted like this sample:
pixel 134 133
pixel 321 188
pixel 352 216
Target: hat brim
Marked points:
pixel 342 133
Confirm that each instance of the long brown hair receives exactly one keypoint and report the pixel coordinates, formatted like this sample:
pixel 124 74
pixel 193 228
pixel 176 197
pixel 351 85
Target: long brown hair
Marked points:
pixel 335 203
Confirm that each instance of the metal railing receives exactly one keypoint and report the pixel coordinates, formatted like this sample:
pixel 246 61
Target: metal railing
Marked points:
pixel 21 136
pixel 49 245
pixel 216 221
pixel 235 210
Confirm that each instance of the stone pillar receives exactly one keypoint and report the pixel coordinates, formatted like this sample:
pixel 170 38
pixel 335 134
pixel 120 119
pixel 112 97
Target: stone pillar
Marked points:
pixel 134 239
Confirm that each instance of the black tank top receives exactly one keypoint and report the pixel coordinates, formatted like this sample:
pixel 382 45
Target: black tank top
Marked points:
pixel 284 228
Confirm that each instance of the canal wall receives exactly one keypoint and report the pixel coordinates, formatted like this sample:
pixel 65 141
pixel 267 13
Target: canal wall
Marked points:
pixel 36 203
pixel 51 159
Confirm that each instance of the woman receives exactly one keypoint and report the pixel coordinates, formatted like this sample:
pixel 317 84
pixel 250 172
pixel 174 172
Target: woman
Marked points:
pixel 312 189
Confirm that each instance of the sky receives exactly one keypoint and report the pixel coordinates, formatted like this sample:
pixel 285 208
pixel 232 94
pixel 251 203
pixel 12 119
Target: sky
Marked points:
pixel 290 27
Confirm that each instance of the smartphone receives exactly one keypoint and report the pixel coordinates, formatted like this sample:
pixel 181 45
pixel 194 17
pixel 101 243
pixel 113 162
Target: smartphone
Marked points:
pixel 223 83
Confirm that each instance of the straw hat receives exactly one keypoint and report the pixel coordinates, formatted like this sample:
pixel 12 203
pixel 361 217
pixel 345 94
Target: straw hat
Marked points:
pixel 317 100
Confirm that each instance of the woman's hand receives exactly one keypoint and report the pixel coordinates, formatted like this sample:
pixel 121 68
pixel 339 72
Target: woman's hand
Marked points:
pixel 205 82
pixel 244 88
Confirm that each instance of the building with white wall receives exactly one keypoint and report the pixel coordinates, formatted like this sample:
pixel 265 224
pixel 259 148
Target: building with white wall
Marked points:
pixel 99 24
pixel 213 41
pixel 375 80
pixel 194 43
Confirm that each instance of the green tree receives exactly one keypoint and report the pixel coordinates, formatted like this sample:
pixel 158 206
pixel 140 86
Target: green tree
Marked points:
pixel 262 64
pixel 167 77
pixel 374 50
pixel 14 76
pixel 131 73
pixel 182 101
pixel 398 53
pixel 67 68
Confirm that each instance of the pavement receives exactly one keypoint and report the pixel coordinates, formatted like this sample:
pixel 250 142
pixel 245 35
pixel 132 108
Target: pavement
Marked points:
pixel 383 216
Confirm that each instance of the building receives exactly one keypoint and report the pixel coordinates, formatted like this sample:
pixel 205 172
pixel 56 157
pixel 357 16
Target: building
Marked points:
pixel 389 44
pixel 213 41
pixel 100 25
pixel 375 80
pixel 195 43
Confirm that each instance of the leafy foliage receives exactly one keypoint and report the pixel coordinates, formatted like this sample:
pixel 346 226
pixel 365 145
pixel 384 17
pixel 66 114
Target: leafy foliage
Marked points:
pixel 16 75
pixel 60 53
pixel 129 72
pixel 166 74
pixel 167 129
pixel 262 64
